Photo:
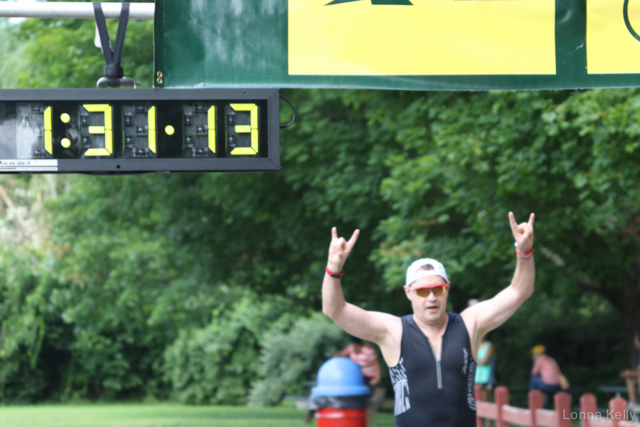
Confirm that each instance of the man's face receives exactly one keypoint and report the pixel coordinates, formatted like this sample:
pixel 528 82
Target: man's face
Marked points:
pixel 430 309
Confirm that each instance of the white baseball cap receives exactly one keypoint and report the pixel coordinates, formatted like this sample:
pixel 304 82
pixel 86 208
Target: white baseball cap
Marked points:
pixel 414 273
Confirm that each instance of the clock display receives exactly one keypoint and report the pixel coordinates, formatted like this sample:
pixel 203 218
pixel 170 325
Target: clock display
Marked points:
pixel 130 131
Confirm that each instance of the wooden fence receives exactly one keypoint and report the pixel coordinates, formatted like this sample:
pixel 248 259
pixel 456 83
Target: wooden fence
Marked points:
pixel 561 416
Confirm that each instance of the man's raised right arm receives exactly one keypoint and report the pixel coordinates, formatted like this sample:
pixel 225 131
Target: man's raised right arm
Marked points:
pixel 367 325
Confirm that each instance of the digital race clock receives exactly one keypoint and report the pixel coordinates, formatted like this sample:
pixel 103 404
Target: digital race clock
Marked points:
pixel 139 130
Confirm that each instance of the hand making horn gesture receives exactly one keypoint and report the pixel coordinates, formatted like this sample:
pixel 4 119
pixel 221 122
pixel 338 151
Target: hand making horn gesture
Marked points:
pixel 523 233
pixel 340 249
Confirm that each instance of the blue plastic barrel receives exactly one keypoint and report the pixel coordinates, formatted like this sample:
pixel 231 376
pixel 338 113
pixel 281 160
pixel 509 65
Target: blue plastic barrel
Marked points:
pixel 340 376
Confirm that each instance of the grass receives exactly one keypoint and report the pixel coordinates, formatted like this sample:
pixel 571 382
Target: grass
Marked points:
pixel 157 415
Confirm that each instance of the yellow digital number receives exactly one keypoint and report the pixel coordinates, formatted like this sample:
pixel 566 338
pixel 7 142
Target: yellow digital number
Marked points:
pixel 252 129
pixel 48 135
pixel 211 114
pixel 105 130
pixel 152 129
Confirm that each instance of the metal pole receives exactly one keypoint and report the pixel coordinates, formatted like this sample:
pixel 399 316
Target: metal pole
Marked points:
pixel 60 10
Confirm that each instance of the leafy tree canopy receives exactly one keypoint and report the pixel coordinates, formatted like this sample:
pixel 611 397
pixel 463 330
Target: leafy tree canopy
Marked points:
pixel 128 278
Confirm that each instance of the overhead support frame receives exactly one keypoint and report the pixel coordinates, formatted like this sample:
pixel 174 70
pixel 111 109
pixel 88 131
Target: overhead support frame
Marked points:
pixel 69 10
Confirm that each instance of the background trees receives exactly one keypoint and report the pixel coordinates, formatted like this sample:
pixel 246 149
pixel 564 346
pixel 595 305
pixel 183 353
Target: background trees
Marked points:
pixel 201 287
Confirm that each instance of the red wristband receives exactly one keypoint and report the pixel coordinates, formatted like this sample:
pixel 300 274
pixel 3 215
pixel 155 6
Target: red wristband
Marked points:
pixel 332 274
pixel 525 255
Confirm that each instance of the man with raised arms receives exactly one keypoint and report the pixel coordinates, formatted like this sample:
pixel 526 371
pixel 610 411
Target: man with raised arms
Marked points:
pixel 431 353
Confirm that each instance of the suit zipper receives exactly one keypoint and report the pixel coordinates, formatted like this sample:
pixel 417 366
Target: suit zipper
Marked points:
pixel 439 369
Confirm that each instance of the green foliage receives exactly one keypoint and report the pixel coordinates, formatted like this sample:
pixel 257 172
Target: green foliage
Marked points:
pixel 139 258
pixel 580 330
pixel 44 335
pixel 139 261
pixel 292 351
pixel 470 158
pixel 126 287
pixel 23 312
pixel 216 364
pixel 60 53
pixel 14 58
pixel 28 321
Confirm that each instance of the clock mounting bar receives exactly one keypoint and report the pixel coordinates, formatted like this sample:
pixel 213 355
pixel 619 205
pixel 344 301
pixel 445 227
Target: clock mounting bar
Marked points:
pixel 69 10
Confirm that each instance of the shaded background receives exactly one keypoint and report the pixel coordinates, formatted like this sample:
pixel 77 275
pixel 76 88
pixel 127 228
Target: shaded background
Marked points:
pixel 205 288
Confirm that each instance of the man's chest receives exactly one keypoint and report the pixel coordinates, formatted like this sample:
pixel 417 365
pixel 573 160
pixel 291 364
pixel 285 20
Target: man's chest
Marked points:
pixel 435 344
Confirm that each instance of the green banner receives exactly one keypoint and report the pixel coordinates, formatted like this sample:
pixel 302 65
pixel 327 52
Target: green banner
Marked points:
pixel 398 44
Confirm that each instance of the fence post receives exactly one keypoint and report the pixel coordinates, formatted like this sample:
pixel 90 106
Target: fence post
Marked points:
pixel 478 392
pixel 535 402
pixel 502 398
pixel 588 408
pixel 562 403
pixel 617 411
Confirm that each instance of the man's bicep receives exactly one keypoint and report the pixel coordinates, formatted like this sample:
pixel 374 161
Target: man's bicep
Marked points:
pixel 367 325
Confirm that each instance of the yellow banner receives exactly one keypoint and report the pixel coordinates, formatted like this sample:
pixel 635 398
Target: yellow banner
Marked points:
pixel 612 47
pixel 422 37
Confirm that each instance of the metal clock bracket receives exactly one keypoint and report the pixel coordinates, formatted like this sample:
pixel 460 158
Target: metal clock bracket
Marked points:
pixel 113 72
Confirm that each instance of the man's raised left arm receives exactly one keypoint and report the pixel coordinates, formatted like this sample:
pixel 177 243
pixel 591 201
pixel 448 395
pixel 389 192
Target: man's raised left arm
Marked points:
pixel 486 316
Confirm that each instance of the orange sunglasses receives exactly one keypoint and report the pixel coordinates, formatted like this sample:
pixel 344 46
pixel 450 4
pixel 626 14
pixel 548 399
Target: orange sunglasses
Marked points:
pixel 437 290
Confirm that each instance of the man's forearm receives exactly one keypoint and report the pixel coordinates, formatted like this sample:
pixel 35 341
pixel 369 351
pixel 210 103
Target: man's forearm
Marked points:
pixel 332 297
pixel 524 277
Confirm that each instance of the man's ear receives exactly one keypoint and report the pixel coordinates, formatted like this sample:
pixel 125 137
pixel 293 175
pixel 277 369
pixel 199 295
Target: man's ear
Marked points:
pixel 407 292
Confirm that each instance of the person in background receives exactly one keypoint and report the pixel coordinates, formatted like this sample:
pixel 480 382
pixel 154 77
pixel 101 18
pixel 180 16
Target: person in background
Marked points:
pixel 546 375
pixel 485 371
pixel 365 356
pixel 632 377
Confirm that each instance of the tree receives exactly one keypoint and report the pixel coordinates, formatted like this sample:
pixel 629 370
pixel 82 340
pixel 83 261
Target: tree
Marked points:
pixel 157 263
pixel 37 339
pixel 570 157
pixel 436 178
pixel 61 54
pixel 134 274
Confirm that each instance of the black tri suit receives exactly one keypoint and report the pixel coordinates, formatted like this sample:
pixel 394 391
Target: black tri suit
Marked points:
pixel 434 391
